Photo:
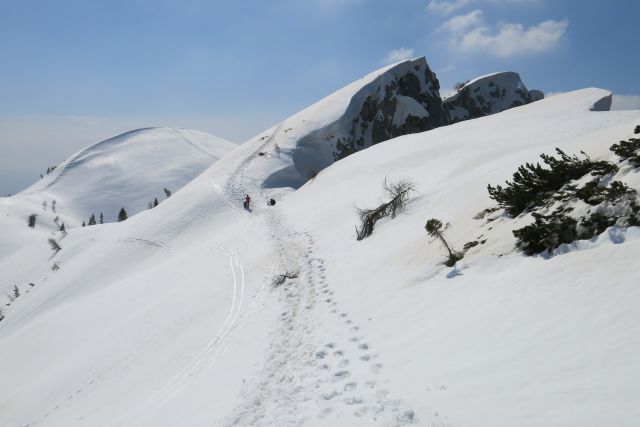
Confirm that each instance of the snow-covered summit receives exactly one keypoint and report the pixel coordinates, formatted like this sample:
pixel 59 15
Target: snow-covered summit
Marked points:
pixel 400 99
pixel 395 100
pixel 128 170
pixel 489 94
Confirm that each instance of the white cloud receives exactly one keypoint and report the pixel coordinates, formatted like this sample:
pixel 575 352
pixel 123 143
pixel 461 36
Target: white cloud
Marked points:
pixel 625 102
pixel 463 22
pixel 514 39
pixel 471 33
pixel 446 7
pixel 397 55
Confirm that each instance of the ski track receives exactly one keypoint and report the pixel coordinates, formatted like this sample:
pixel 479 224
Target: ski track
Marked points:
pixel 146 242
pixel 191 143
pixel 318 364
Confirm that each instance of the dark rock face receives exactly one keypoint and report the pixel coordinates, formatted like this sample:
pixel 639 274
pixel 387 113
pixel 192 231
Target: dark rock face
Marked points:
pixel 407 100
pixel 489 95
pixel 604 104
pixel 536 95
pixel 404 100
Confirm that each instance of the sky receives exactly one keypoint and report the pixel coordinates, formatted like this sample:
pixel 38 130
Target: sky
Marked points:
pixel 74 72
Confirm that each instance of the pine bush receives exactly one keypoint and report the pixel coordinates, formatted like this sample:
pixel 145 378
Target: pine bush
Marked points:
pixel 31 222
pixel 436 229
pixel 122 215
pixel 534 185
pixel 546 233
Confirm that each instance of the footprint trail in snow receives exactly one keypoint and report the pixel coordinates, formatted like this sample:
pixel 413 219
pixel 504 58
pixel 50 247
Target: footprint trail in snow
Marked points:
pixel 319 366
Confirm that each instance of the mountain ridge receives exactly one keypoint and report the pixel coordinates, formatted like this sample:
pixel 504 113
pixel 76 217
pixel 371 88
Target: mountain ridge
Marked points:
pixel 173 317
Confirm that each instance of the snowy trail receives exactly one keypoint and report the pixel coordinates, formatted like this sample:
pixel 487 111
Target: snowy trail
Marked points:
pixel 319 367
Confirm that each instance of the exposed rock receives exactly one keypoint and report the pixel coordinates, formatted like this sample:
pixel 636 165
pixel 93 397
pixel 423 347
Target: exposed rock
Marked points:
pixel 403 100
pixel 604 104
pixel 396 100
pixel 489 94
pixel 536 95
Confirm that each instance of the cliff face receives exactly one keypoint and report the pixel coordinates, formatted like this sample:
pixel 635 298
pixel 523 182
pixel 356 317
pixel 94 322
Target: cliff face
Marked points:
pixel 404 100
pixel 489 94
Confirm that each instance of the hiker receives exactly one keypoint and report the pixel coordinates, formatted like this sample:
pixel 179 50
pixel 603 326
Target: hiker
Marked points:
pixel 247 200
pixel 272 202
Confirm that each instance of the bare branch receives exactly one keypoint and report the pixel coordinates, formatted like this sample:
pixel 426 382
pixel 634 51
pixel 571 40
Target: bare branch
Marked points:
pixel 281 278
pixel 399 193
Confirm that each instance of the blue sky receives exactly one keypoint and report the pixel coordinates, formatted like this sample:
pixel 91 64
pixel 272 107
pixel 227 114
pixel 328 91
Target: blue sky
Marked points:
pixel 76 71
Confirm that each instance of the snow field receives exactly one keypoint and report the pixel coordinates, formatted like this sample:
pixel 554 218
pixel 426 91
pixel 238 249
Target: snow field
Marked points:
pixel 169 318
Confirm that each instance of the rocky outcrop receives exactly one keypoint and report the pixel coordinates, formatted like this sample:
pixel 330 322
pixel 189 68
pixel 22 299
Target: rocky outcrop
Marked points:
pixel 487 95
pixel 404 100
pixel 604 104
pixel 396 100
pixel 399 99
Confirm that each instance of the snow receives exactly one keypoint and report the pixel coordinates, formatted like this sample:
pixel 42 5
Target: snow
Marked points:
pixel 169 318
pixel 490 76
pixel 128 170
pixel 504 339
pixel 111 173
pixel 408 107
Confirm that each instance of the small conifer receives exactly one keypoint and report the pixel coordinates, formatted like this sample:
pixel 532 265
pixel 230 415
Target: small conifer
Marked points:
pixel 54 245
pixel 122 215
pixel 435 229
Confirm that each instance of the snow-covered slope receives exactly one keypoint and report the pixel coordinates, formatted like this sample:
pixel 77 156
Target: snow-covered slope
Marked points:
pixel 169 318
pixel 130 170
pixel 501 339
pixel 489 94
